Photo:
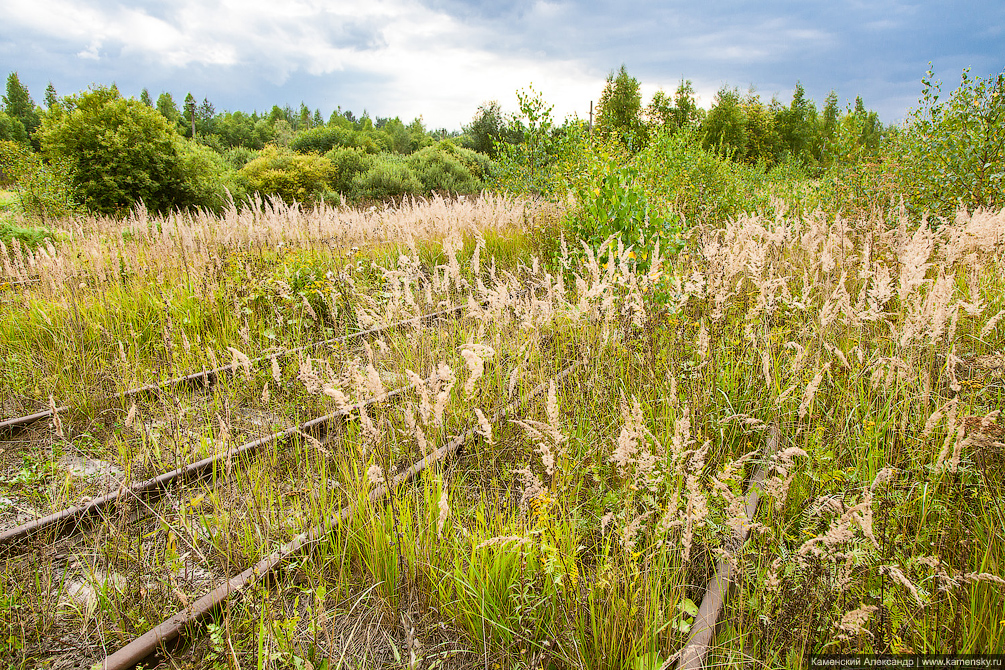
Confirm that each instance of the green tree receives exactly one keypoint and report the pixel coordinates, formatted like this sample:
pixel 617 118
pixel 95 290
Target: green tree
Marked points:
pixel 119 152
pixel 205 118
pixel 489 127
pixel 797 125
pixel 686 112
pixel 830 114
pixel 660 111
pixel 19 105
pixel 237 129
pixel 51 98
pixel 619 112
pixel 169 110
pixel 538 163
pixel 145 98
pixel 760 130
pixel 871 128
pixel 12 130
pixel 725 127
pixel 190 108
pixel 43 188
pixel 952 152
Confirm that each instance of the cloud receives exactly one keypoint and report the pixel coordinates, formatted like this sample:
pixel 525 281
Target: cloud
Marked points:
pixel 441 58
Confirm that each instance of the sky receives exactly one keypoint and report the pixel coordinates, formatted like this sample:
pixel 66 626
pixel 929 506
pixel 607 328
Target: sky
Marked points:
pixel 441 59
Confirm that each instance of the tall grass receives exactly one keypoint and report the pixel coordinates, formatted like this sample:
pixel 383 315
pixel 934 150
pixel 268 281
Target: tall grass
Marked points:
pixel 580 532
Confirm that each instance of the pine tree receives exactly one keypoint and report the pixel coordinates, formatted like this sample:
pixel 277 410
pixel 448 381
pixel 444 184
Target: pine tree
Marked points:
pixel 19 105
pixel 830 114
pixel 51 98
pixel 190 106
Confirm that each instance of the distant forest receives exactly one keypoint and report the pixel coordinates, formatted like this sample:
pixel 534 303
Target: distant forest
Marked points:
pixel 114 152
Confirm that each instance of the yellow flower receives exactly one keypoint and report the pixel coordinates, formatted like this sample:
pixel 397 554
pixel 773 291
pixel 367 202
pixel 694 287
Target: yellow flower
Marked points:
pixel 631 254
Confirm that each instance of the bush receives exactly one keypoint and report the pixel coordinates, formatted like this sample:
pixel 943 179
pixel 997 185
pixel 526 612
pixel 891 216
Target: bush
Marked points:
pixel 387 178
pixel 119 152
pixel 29 237
pixel 952 153
pixel 42 190
pixel 682 178
pixel 291 176
pixel 238 157
pixel 438 170
pixel 12 130
pixel 323 139
pixel 347 163
pixel 478 164
pixel 208 178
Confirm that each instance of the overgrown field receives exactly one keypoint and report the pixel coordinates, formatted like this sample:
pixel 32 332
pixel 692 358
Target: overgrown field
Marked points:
pixel 581 530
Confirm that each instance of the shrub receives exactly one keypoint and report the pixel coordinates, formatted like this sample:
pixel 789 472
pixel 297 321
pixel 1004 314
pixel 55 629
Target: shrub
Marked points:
pixel 323 139
pixel 347 163
pixel 12 130
pixel 612 200
pixel 478 164
pixel 683 178
pixel 29 237
pixel 208 178
pixel 952 152
pixel 238 157
pixel 42 190
pixel 118 151
pixel 439 170
pixel 291 176
pixel 387 178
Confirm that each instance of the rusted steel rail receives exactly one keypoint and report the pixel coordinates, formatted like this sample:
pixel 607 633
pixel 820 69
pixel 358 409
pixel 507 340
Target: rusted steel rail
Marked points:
pixel 207 377
pixel 69 520
pixel 170 630
pixel 694 653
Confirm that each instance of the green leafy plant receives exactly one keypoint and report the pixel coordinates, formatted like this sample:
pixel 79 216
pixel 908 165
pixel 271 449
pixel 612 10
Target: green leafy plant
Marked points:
pixel 616 204
pixel 952 152
pixel 323 139
pixel 42 189
pixel 387 178
pixel 440 170
pixel 291 176
pixel 539 163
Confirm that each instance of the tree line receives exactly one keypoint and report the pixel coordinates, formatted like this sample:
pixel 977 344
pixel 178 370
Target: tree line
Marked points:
pixel 97 150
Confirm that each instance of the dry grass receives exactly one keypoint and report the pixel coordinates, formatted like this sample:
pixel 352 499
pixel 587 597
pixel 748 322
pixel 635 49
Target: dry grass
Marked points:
pixel 576 534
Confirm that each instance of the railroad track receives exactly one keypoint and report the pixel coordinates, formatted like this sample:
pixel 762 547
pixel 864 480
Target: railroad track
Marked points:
pixel 71 520
pixel 175 627
pixel 10 427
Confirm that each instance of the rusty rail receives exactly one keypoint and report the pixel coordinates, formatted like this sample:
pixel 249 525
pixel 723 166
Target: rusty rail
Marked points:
pixel 170 630
pixel 68 520
pixel 207 377
pixel 694 653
